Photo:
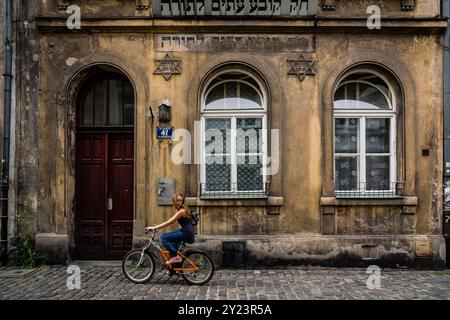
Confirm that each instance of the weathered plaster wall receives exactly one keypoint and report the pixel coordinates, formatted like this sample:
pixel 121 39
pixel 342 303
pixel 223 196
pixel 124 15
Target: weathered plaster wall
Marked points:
pixel 298 118
pixel 27 120
pixel 301 110
pixel 70 61
pixel 417 62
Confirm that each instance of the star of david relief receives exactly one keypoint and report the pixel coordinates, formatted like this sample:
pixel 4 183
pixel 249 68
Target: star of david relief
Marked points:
pixel 167 67
pixel 301 67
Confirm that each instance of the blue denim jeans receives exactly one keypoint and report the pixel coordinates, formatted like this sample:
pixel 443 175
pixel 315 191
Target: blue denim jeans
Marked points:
pixel 171 241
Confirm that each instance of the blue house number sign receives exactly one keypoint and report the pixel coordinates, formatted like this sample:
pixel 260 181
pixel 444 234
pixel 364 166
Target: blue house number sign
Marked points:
pixel 164 133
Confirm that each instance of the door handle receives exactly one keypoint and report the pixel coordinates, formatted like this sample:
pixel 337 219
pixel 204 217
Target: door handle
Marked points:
pixel 110 203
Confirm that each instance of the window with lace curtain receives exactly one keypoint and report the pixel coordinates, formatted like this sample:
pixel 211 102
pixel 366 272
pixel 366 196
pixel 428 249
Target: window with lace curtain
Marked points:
pixel 233 136
pixel 364 136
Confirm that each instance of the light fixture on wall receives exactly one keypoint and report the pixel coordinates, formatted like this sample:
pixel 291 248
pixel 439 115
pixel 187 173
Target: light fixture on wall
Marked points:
pixel 165 112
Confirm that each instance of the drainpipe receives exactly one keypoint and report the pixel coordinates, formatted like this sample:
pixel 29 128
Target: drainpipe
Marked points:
pixel 6 130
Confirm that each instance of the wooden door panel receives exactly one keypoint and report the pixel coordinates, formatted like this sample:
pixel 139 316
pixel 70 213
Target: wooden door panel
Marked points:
pixel 129 149
pixel 121 191
pixel 90 193
pixel 98 149
pixel 116 148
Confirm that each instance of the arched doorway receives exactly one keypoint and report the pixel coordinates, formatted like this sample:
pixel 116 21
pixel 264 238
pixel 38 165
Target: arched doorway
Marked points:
pixel 104 168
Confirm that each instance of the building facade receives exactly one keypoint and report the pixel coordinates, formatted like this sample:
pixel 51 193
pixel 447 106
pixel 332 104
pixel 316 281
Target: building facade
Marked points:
pixel 301 131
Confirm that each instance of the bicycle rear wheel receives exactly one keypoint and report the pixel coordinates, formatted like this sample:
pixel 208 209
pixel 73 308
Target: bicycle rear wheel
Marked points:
pixel 205 267
pixel 138 266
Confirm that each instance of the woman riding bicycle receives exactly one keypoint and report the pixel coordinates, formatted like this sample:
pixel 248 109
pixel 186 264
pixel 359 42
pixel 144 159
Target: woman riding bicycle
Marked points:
pixel 172 240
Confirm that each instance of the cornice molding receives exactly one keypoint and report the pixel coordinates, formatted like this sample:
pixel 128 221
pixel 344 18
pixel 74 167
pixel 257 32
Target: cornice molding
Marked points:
pixel 57 24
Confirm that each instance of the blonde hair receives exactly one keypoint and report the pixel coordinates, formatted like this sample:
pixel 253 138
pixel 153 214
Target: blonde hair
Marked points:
pixel 187 212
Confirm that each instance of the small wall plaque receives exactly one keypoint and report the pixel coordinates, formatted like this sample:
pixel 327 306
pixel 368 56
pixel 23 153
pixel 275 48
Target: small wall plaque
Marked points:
pixel 164 133
pixel 167 66
pixel 166 189
pixel 301 67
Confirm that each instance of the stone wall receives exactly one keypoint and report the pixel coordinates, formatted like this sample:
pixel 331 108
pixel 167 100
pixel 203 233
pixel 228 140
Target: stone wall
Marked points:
pixel 27 108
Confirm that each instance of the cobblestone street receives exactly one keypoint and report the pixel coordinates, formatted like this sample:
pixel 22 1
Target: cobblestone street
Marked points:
pixel 108 283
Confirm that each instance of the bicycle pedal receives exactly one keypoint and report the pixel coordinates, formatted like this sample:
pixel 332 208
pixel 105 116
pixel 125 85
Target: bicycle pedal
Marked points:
pixel 173 273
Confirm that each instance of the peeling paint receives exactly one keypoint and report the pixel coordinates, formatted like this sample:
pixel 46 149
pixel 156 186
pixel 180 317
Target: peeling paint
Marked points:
pixel 70 61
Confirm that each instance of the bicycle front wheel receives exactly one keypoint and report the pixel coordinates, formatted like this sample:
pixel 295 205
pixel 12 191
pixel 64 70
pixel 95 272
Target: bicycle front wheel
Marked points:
pixel 205 268
pixel 138 266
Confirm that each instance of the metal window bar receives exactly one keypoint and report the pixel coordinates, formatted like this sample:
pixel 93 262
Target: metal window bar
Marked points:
pixel 231 191
pixel 371 190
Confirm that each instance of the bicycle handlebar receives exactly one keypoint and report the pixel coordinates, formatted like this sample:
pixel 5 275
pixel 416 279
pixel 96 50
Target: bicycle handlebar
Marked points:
pixel 154 232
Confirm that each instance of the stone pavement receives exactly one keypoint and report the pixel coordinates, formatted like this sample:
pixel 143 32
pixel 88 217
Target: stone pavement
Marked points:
pixel 106 282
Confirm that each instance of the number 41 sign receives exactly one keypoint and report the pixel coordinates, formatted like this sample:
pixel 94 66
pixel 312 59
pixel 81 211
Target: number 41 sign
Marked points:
pixel 164 133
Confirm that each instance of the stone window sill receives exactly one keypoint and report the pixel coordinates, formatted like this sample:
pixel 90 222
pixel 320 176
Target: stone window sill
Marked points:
pixel 401 201
pixel 200 202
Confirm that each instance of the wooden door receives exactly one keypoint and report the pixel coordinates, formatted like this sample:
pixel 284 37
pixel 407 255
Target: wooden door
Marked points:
pixel 104 195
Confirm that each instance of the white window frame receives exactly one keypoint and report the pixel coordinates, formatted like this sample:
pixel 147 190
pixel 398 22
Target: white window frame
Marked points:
pixel 362 115
pixel 357 93
pixel 233 115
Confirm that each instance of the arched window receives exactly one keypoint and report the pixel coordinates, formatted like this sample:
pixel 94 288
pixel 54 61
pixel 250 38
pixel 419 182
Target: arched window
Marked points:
pixel 364 135
pixel 233 136
pixel 106 100
pixel 234 91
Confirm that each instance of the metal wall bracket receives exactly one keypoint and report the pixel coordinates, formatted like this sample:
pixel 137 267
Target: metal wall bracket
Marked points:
pixel 64 4
pixel 142 4
pixel 408 5
pixel 327 5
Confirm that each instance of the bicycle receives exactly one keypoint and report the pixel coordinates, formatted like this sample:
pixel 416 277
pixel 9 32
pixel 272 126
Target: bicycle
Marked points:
pixel 196 266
